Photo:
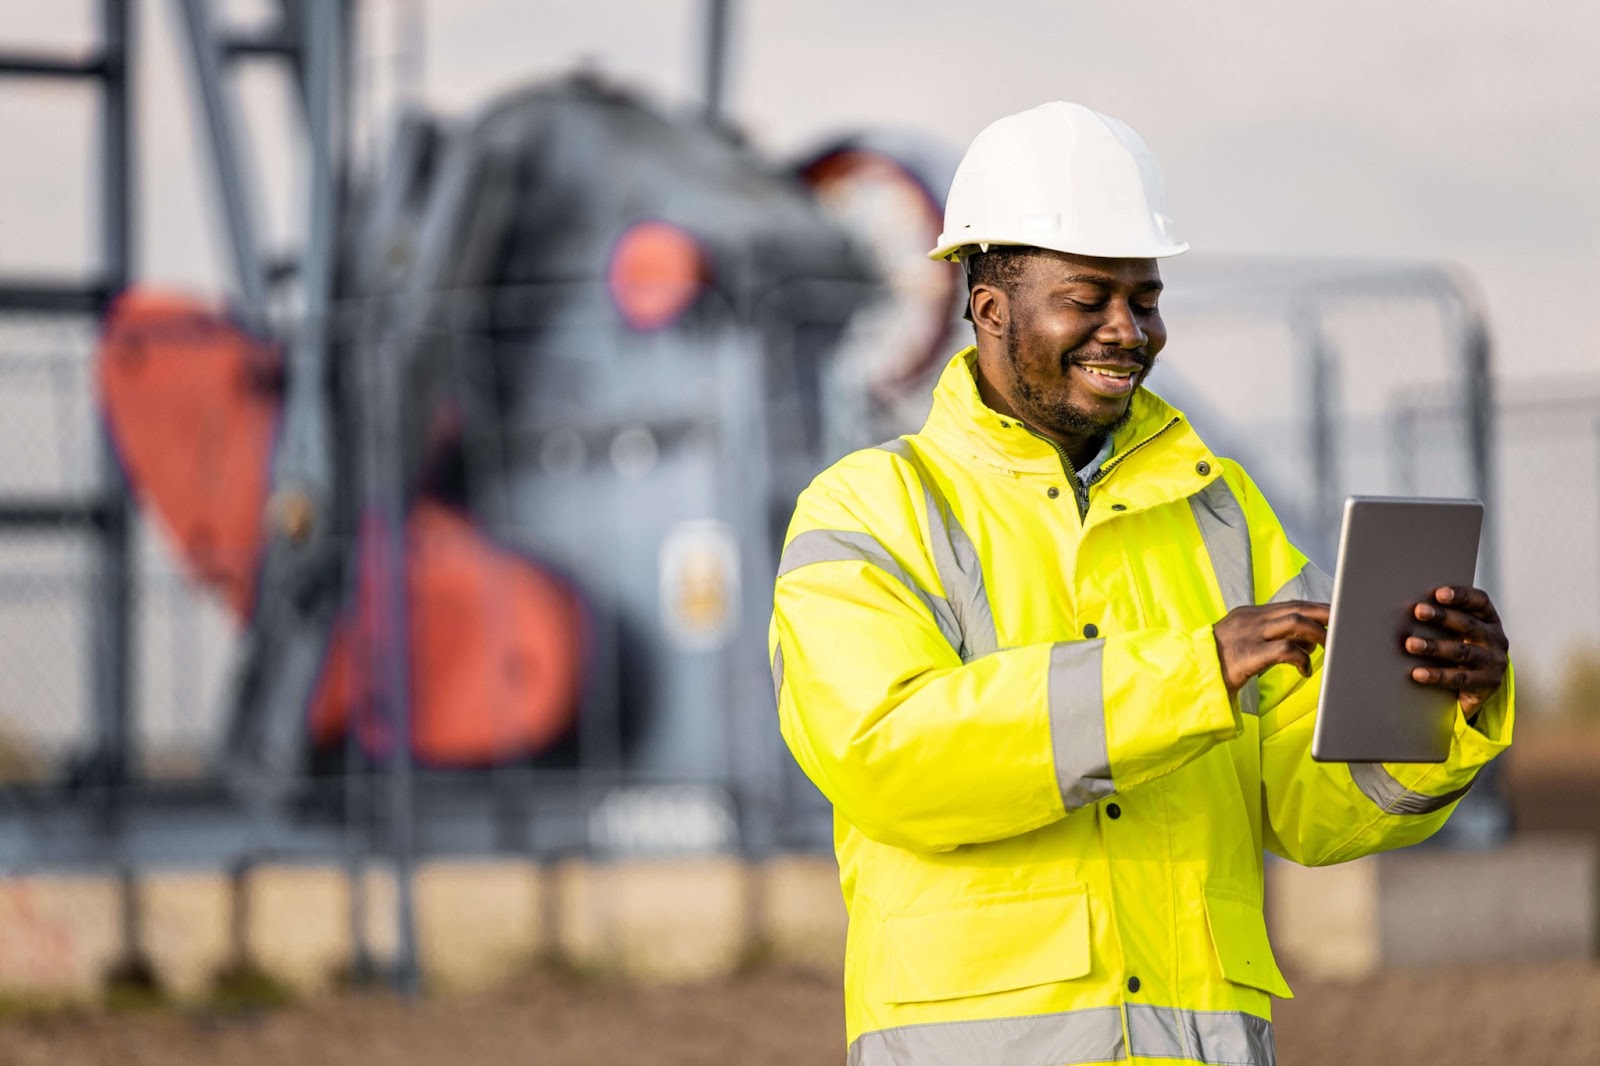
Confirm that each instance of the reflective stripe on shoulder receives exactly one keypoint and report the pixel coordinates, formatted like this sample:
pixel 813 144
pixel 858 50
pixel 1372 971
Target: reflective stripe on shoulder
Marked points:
pixel 1234 1038
pixel 1078 723
pixel 1226 534
pixel 1092 1035
pixel 846 546
pixel 777 675
pixel 1309 584
pixel 1381 787
pixel 1211 1036
pixel 955 558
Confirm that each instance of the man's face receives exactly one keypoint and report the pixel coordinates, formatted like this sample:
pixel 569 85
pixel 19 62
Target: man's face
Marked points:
pixel 1080 335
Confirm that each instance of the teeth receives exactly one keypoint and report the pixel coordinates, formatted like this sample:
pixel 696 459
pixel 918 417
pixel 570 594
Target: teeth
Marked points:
pixel 1112 374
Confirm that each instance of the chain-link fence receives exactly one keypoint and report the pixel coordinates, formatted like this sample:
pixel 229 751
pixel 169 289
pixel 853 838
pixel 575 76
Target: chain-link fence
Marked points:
pixel 51 458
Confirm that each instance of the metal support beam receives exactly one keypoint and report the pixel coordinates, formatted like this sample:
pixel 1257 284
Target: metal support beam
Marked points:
pixel 30 65
pixel 384 494
pixel 113 598
pixel 23 513
pixel 113 589
pixel 273 45
pixel 43 296
pixel 217 101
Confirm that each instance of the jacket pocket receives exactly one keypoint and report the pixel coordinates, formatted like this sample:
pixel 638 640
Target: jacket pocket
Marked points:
pixel 1239 934
pixel 986 946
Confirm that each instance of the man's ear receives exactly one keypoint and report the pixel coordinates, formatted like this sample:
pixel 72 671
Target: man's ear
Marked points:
pixel 990 309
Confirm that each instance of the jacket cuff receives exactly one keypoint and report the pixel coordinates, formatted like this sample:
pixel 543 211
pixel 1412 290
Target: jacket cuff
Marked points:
pixel 1213 690
pixel 1480 740
pixel 1473 745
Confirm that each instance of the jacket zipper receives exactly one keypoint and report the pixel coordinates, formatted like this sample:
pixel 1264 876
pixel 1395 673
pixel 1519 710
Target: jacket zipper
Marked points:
pixel 1116 460
pixel 1080 490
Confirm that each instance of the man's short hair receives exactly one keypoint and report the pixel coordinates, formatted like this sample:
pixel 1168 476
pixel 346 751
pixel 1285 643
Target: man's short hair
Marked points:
pixel 999 267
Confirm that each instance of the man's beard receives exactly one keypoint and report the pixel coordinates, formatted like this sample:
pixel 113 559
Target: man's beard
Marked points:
pixel 1057 413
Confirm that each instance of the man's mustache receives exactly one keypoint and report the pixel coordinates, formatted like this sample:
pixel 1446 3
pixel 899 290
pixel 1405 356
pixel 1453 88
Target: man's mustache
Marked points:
pixel 1118 357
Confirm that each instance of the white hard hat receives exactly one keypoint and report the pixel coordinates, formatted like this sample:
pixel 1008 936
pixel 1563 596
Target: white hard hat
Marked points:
pixel 1063 177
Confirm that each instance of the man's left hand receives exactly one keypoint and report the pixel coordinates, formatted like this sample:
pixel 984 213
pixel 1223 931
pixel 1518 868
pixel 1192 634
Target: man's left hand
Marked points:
pixel 1473 659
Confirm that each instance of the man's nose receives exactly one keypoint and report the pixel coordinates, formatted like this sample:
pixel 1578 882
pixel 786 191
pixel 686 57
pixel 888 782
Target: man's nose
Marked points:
pixel 1121 327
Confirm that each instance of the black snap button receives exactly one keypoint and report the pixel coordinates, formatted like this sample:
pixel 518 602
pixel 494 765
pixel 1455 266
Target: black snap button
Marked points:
pixel 1119 507
pixel 1133 984
pixel 1091 631
pixel 1005 425
pixel 1052 492
pixel 1202 468
pixel 1113 811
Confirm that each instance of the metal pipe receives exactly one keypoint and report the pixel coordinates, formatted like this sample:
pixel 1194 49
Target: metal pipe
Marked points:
pixel 306 444
pixel 716 56
pixel 1481 426
pixel 1321 395
pixel 384 497
pixel 112 609
pixel 206 60
pixel 357 832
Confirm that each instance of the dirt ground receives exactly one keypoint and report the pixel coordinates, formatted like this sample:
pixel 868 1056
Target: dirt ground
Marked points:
pixel 1506 1017
pixel 1503 1016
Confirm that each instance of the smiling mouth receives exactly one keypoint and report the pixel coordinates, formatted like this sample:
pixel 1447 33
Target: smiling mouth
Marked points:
pixel 1108 374
pixel 1109 383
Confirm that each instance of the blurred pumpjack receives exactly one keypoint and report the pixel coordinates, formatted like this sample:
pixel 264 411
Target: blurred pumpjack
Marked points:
pixel 573 385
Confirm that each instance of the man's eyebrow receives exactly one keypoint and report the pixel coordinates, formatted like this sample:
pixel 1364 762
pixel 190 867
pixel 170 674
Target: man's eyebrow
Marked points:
pixel 1153 285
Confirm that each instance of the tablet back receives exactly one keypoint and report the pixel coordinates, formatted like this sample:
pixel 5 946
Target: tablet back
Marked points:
pixel 1392 554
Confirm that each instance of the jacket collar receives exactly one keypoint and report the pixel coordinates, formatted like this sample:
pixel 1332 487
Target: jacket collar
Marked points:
pixel 1157 456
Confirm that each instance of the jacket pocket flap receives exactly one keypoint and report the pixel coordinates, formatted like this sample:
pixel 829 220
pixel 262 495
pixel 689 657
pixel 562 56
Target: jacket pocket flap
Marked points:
pixel 989 945
pixel 1239 933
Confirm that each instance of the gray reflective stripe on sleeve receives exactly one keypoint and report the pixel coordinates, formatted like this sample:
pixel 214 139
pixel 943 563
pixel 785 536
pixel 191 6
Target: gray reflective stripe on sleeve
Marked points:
pixel 1092 1035
pixel 1250 697
pixel 1381 787
pixel 955 558
pixel 845 546
pixel 777 675
pixel 1078 723
pixel 1227 1037
pixel 1227 539
pixel 1309 584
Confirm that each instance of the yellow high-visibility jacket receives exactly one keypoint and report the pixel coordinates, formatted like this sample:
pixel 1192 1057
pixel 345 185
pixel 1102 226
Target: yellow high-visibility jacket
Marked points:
pixel 1049 815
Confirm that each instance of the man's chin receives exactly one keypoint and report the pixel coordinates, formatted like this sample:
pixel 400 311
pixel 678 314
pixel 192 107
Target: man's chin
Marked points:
pixel 1080 421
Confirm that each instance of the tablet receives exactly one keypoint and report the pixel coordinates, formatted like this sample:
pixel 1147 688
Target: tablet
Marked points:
pixel 1392 554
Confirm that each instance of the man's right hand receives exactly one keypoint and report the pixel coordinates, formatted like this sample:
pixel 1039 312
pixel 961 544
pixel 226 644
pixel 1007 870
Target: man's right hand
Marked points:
pixel 1252 639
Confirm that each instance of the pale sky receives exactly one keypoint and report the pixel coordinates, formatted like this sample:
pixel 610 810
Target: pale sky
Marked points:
pixel 1463 132
pixel 1362 128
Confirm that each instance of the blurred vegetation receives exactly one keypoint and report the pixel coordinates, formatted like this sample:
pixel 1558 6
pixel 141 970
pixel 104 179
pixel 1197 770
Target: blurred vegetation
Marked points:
pixel 244 987
pixel 132 984
pixel 19 763
pixel 1575 700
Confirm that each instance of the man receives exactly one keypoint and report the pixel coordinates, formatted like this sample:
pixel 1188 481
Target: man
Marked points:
pixel 1056 664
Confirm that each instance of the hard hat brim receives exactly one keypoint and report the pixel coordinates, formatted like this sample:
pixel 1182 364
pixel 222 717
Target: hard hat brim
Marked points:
pixel 950 250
